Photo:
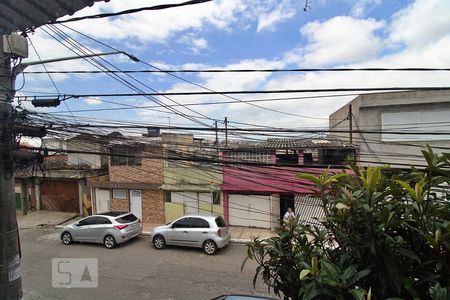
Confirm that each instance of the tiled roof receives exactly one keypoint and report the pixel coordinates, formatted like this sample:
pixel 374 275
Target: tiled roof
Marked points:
pixel 19 15
pixel 305 143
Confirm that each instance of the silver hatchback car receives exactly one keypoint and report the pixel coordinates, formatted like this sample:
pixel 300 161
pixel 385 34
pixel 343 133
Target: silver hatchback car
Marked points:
pixel 207 232
pixel 109 229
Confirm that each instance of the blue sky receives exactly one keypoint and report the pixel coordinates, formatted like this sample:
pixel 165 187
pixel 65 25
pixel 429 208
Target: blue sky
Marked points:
pixel 251 34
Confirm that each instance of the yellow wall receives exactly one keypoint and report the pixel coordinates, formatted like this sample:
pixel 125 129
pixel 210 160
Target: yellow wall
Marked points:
pixel 192 178
pixel 176 210
pixel 206 208
pixel 173 211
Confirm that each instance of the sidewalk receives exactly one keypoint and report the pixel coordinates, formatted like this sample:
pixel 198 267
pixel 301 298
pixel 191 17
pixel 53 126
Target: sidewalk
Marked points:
pixel 239 235
pixel 43 218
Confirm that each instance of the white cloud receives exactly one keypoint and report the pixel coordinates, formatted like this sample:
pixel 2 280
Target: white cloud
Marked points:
pixel 49 48
pixel 341 40
pixel 421 23
pixel 158 26
pixel 93 100
pixel 195 44
pixel 268 19
pixel 360 8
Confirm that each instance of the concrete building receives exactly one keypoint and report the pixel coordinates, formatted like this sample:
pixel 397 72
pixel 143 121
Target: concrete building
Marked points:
pixel 59 184
pixel 190 186
pixel 402 124
pixel 134 180
pixel 259 195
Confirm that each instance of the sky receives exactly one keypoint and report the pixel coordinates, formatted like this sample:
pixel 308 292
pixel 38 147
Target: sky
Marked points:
pixel 250 34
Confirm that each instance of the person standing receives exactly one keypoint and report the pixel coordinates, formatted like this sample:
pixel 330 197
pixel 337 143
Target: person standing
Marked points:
pixel 288 216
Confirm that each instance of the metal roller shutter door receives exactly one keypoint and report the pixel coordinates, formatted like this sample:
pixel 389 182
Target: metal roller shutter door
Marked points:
pixel 249 210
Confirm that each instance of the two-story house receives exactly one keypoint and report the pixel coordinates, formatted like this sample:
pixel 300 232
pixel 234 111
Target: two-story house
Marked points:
pixel 134 180
pixel 191 183
pixel 392 128
pixel 259 182
pixel 60 183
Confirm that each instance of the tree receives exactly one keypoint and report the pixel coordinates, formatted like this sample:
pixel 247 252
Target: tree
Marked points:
pixel 385 234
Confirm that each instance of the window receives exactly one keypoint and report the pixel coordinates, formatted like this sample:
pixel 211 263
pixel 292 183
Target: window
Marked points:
pixel 127 219
pixel 168 196
pixel 199 223
pixel 216 198
pixel 289 157
pixel 182 223
pixel 220 222
pixel 125 157
pixel 88 221
pixel 119 194
pixel 102 220
pixel 415 122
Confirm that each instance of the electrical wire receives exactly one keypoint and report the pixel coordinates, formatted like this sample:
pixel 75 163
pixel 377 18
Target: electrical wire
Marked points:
pixel 131 11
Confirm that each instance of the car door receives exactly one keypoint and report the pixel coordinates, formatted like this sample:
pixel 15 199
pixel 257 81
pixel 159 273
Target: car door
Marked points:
pixel 82 232
pixel 178 233
pixel 198 232
pixel 97 229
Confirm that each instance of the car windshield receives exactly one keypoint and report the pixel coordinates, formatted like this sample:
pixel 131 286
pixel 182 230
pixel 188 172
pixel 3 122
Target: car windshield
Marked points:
pixel 127 219
pixel 220 222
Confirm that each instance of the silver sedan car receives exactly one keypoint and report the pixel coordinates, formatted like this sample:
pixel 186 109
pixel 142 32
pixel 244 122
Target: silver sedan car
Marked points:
pixel 207 232
pixel 109 229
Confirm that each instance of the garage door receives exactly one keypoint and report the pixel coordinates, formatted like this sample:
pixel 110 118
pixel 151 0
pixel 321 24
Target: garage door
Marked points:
pixel 249 210
pixel 60 195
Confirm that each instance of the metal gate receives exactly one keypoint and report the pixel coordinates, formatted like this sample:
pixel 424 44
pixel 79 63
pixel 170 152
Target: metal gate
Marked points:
pixel 308 209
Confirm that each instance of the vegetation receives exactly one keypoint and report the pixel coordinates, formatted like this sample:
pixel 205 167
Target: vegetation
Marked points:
pixel 385 235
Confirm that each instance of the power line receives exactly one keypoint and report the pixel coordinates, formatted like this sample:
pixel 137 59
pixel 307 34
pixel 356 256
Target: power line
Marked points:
pixel 285 91
pixel 96 64
pixel 160 70
pixel 191 82
pixel 131 11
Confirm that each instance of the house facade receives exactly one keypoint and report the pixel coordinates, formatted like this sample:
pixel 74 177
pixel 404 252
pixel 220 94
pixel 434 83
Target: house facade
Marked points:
pixel 60 185
pixel 259 195
pixel 190 186
pixel 395 126
pixel 134 179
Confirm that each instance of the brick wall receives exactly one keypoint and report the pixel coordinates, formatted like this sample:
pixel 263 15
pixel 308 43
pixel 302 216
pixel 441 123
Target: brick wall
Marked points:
pixel 150 170
pixel 119 205
pixel 153 206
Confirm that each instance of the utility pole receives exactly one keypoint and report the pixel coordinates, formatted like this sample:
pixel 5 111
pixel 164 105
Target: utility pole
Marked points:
pixel 217 140
pixel 226 132
pixel 10 273
pixel 350 125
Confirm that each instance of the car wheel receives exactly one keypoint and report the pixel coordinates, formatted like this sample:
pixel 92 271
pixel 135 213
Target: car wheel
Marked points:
pixel 209 247
pixel 109 242
pixel 66 238
pixel 159 242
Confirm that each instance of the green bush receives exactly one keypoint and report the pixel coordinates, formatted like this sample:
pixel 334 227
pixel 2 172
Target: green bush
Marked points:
pixel 385 234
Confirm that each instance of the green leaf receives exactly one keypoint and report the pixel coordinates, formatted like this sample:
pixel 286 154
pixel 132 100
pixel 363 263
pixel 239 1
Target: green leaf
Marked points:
pixel 406 186
pixel 410 255
pixel 358 294
pixel 330 269
pixel 303 273
pixel 341 205
pixel 244 262
pixel 309 177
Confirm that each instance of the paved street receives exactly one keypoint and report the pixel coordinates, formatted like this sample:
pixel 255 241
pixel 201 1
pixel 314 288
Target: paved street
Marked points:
pixel 135 270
